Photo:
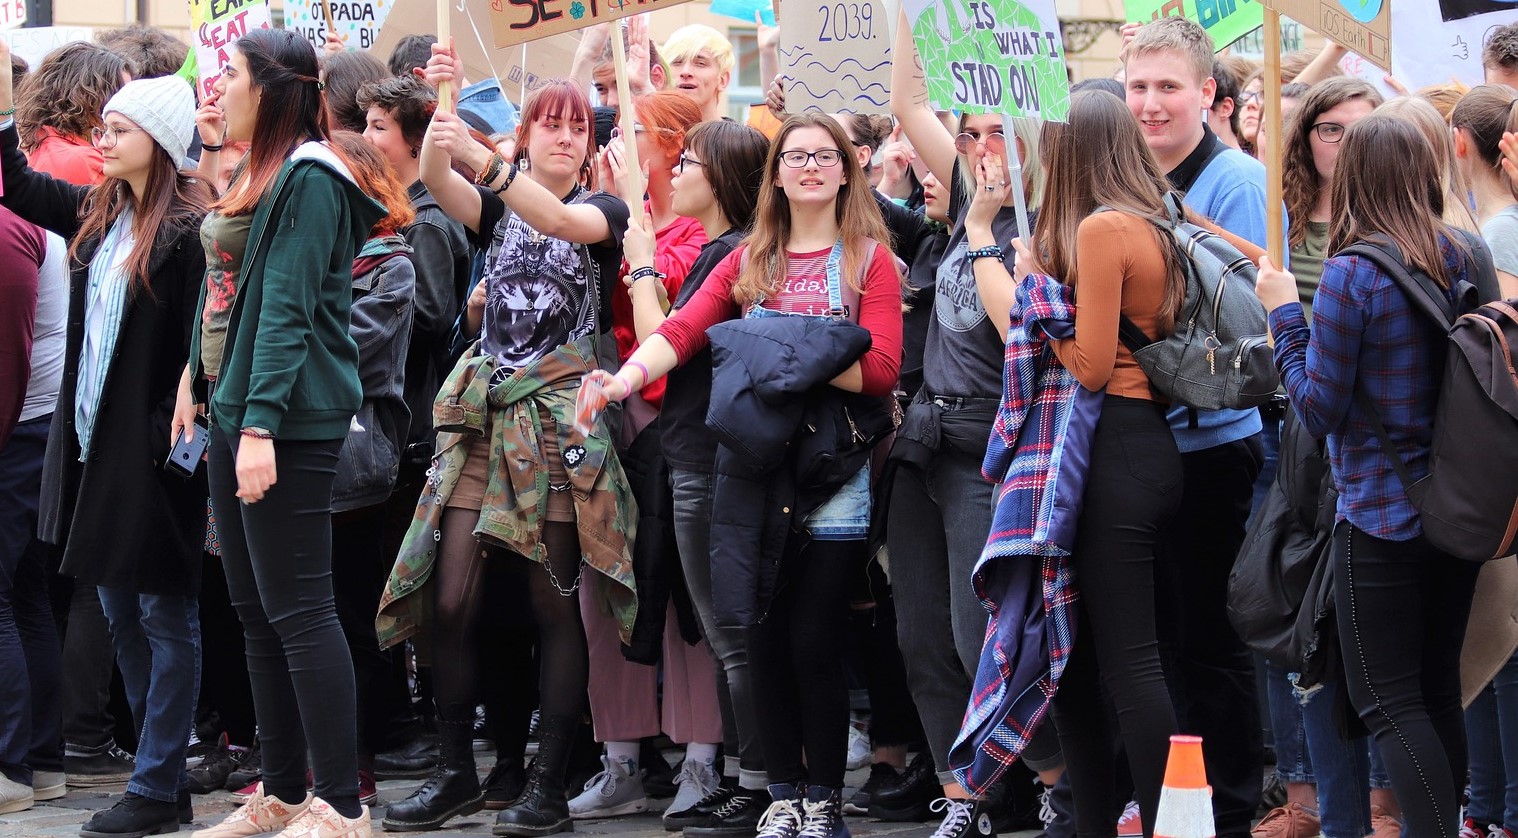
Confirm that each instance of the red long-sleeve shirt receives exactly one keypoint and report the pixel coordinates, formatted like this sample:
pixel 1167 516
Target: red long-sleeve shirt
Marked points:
pixel 803 292
pixel 676 246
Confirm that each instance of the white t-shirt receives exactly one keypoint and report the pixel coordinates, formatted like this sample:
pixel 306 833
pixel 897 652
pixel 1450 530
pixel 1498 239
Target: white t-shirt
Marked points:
pixel 51 322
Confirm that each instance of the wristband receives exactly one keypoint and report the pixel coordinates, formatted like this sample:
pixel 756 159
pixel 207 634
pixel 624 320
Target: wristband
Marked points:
pixel 493 166
pixel 641 368
pixel 511 175
pixel 645 271
pixel 11 112
pixel 257 433
pixel 213 148
pixel 990 251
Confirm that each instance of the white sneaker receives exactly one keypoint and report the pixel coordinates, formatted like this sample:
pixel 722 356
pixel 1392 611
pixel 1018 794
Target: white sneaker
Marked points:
pixel 48 785
pixel 860 752
pixel 261 814
pixel 616 791
pixel 695 781
pixel 14 797
pixel 322 821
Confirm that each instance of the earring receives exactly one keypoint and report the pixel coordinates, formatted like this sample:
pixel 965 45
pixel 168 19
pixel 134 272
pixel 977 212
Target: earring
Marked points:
pixel 524 165
pixel 413 154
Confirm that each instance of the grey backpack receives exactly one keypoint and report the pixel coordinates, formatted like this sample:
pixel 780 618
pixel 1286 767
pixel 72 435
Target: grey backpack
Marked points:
pixel 1219 355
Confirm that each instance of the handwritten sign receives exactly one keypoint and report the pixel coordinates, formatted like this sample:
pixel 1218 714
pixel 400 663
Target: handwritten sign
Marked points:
pixel 1435 42
pixel 836 56
pixel 519 21
pixel 992 56
pixel 12 14
pixel 34 44
pixel 1363 26
pixel 357 22
pixel 216 26
pixel 544 59
pixel 1226 21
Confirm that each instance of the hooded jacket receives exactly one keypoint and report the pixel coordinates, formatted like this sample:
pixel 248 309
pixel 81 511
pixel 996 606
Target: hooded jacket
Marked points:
pixel 295 373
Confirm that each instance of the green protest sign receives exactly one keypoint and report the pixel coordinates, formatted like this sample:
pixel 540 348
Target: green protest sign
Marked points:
pixel 992 56
pixel 1226 21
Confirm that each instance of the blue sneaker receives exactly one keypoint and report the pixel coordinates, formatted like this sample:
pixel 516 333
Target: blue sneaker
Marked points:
pixel 822 814
pixel 783 818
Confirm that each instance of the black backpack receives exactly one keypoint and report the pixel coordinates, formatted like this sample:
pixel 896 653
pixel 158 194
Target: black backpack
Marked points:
pixel 1468 503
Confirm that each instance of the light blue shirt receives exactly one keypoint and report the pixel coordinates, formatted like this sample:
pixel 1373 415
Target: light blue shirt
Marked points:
pixel 104 308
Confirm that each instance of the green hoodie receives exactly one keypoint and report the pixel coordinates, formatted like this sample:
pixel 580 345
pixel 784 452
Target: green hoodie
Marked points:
pixel 290 366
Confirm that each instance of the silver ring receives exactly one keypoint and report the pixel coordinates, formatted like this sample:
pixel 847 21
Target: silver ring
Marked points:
pixel 990 188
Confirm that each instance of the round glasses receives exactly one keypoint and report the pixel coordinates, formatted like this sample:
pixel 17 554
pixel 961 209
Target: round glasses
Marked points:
pixel 107 137
pixel 995 142
pixel 827 158
pixel 1329 132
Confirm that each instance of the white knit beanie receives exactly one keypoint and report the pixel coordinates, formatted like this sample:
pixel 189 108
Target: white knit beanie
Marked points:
pixel 164 107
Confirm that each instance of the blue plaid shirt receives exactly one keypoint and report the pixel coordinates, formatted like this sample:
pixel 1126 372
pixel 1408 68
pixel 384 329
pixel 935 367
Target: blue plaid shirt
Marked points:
pixel 1365 330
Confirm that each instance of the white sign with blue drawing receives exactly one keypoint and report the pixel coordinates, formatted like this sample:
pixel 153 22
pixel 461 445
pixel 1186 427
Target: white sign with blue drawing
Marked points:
pixel 836 56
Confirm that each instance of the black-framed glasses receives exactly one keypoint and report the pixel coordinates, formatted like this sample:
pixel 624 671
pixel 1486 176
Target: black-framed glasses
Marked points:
pixel 826 158
pixel 107 137
pixel 1249 97
pixel 1329 132
pixel 995 142
pixel 687 160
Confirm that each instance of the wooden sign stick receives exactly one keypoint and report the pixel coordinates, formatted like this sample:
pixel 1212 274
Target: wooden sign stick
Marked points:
pixel 625 121
pixel 445 37
pixel 327 13
pixel 1271 120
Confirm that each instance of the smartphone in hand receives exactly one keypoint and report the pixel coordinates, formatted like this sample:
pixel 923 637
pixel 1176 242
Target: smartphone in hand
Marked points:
pixel 184 457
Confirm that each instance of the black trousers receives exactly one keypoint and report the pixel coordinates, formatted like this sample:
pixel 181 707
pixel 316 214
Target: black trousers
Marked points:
pixel 360 567
pixel 278 558
pixel 1212 673
pixel 1133 489
pixel 1402 611
pixel 796 666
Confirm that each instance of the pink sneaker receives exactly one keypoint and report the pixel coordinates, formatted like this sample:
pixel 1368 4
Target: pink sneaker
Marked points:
pixel 322 821
pixel 260 814
pixel 1131 824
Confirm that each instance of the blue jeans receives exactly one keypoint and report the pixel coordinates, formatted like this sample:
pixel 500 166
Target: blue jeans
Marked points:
pixel 1309 750
pixel 1491 726
pixel 157 640
pixel 30 657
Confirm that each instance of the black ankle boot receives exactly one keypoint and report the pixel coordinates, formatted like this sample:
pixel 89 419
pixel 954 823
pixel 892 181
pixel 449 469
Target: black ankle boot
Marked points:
pixel 543 807
pixel 452 790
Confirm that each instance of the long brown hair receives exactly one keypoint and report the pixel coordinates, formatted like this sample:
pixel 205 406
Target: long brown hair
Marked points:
pixel 172 202
pixel 378 180
pixel 1387 183
pixel 1300 182
pixel 1483 114
pixel 1422 116
pixel 67 92
pixel 854 209
pixel 733 155
pixel 1099 159
pixel 282 65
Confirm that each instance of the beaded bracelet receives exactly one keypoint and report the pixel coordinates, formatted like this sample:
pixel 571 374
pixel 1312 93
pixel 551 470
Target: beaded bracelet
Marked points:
pixel 11 112
pixel 645 271
pixel 257 433
pixel 990 251
pixel 511 175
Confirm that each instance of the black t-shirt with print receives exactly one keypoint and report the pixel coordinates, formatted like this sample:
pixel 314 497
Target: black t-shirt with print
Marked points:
pixel 688 443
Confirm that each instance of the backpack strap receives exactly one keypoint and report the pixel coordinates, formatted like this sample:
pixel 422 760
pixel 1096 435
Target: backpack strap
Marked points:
pixel 1362 399
pixel 1424 294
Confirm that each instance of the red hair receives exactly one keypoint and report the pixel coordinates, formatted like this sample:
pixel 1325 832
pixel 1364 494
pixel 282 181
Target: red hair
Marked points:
pixel 378 180
pixel 666 115
pixel 564 99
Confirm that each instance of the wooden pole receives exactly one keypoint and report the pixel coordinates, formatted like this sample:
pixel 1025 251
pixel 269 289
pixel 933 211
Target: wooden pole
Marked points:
pixel 625 120
pixel 327 13
pixel 1273 123
pixel 444 37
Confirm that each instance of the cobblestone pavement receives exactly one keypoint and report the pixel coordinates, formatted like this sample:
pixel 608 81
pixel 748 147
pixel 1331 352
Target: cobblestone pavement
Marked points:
pixel 63 817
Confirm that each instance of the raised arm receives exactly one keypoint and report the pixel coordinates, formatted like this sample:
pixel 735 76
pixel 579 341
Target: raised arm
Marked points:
pixel 913 111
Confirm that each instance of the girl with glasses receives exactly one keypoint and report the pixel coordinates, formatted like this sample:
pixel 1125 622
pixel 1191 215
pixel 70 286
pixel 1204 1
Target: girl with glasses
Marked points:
pixel 817 228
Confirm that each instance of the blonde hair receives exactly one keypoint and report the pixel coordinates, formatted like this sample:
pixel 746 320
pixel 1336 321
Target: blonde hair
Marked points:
pixel 689 40
pixel 1431 125
pixel 1293 63
pixel 1174 34
pixel 1029 130
pixel 1444 97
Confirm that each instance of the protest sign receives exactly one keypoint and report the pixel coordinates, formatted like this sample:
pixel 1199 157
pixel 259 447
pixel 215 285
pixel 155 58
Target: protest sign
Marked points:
pixel 836 56
pixel 1435 42
pixel 991 56
pixel 1226 21
pixel 517 72
pixel 12 14
pixel 1363 26
pixel 357 22
pixel 215 26
pixel 32 45
pixel 1355 66
pixel 745 10
pixel 519 21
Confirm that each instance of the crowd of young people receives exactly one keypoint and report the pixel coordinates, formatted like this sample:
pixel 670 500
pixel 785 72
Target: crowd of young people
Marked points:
pixel 381 320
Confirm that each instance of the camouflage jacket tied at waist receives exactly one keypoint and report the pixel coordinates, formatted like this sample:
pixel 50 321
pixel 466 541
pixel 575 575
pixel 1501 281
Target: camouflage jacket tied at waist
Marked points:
pixel 504 406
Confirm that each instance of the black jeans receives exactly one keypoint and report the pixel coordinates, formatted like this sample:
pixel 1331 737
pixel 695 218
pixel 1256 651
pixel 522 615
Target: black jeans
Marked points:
pixel 278 557
pixel 1212 673
pixel 1133 489
pixel 872 620
pixel 796 665
pixel 1402 612
pixel 360 567
pixel 30 656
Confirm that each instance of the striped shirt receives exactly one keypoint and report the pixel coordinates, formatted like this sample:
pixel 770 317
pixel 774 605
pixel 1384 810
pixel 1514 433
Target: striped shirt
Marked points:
pixel 104 307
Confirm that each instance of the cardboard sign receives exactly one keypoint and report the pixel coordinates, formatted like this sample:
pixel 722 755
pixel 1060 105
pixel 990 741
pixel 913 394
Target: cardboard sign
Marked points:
pixel 357 22
pixel 520 21
pixel 544 59
pixel 1435 42
pixel 992 56
pixel 1226 21
pixel 1364 26
pixel 836 56
pixel 12 14
pixel 34 44
pixel 215 26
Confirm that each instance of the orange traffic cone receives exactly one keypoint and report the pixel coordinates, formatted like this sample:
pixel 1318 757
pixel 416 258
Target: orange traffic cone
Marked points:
pixel 1186 799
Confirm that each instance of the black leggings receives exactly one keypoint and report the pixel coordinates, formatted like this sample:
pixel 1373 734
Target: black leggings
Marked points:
pixel 796 666
pixel 1132 490
pixel 1402 611
pixel 459 583
pixel 278 557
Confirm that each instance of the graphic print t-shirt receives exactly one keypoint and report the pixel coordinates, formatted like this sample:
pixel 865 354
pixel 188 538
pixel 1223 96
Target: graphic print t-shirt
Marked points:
pixel 538 296
pixel 225 239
